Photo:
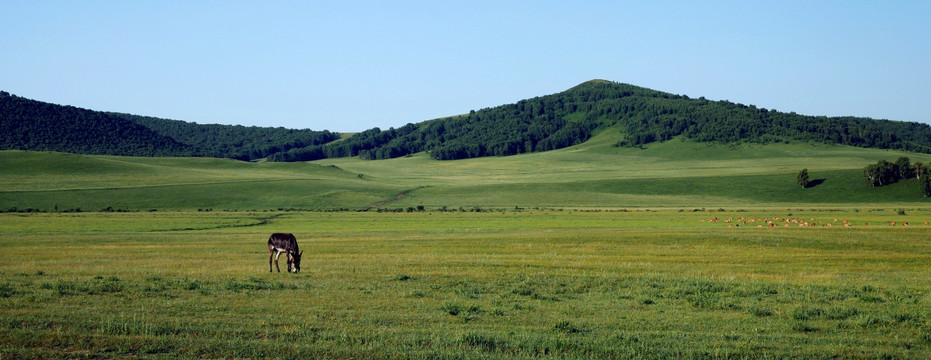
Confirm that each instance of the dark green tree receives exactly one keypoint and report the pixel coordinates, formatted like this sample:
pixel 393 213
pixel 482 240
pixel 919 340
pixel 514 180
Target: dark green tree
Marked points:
pixel 903 168
pixel 881 173
pixel 802 178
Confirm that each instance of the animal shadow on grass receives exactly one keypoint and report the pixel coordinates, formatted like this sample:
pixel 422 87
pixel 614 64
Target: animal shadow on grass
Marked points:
pixel 815 182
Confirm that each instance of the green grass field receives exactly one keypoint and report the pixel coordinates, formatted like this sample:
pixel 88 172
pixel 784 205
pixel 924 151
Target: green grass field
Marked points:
pixel 592 175
pixel 529 284
pixel 586 252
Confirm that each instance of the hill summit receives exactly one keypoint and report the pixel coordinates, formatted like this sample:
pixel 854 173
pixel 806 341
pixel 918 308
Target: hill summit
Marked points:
pixel 641 115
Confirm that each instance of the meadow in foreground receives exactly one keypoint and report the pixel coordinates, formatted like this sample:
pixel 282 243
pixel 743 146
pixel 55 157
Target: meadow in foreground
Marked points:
pixel 515 284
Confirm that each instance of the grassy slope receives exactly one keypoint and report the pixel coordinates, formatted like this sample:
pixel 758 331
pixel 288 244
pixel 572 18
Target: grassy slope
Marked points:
pixel 47 180
pixel 594 174
pixel 674 173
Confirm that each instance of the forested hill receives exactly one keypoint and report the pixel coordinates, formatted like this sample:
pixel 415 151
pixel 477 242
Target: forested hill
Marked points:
pixel 233 141
pixel 642 115
pixel 34 125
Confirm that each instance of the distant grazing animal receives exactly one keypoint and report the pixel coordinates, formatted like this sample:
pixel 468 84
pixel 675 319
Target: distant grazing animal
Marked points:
pixel 280 243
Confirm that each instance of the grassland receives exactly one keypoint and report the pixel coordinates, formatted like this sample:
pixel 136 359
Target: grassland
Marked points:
pixel 528 284
pixel 591 175
pixel 587 252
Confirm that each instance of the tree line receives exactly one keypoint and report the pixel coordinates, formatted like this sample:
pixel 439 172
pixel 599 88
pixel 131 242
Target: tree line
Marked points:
pixel 661 116
pixel 34 125
pixel 233 141
pixel 645 116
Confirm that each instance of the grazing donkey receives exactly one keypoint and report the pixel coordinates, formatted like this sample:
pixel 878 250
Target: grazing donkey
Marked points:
pixel 284 243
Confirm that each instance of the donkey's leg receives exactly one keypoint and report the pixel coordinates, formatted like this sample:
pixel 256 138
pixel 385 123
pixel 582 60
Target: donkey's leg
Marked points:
pixel 276 261
pixel 271 254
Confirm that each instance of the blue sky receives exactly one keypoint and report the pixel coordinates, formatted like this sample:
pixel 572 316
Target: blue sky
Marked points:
pixel 351 66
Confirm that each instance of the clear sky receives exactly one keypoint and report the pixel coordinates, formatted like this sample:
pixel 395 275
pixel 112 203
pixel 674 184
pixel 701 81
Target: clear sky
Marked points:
pixel 351 66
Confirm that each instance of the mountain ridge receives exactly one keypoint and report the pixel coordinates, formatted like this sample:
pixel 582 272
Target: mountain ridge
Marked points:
pixel 640 116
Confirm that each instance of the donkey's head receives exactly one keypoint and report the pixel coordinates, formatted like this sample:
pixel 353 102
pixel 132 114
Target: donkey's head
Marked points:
pixel 296 262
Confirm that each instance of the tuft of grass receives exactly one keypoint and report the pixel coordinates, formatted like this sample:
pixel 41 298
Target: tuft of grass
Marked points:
pixel 192 285
pixel 760 311
pixel 483 342
pixel 806 313
pixel 869 321
pixel 804 327
pixel 924 334
pixel 840 313
pixel 465 313
pixel 567 327
pixel 452 309
pixel 7 290
pixel 254 283
pixel 96 286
